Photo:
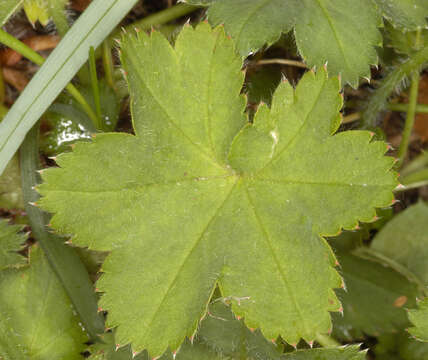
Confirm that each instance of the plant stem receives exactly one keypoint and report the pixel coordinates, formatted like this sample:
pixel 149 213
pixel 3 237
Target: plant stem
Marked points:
pixel 351 118
pixel 327 341
pixel 95 87
pixel 420 108
pixel 108 63
pixel 32 55
pixel 410 118
pixel 160 17
pixel 378 100
pixel 63 259
pixel 281 62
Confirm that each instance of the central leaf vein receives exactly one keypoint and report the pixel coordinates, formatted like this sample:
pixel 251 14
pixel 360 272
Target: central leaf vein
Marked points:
pixel 189 253
pixel 276 260
pixel 168 116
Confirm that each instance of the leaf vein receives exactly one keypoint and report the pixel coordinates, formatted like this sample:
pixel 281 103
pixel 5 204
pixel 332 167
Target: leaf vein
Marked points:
pixel 194 246
pixel 276 260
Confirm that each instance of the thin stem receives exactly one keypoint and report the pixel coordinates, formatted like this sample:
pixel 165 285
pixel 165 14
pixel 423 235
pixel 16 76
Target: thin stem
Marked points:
pixel 420 108
pixel 410 118
pixel 378 100
pixel 63 259
pixel 281 62
pixel 32 55
pixel 95 87
pixel 327 341
pixel 161 17
pixel 108 63
pixel 351 117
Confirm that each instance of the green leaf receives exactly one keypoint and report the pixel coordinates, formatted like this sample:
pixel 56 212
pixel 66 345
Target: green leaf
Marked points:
pixel 404 42
pixel 106 350
pixel 185 209
pixel 400 346
pixel 8 8
pixel 341 33
pixel 406 14
pixel 405 240
pixel 10 186
pixel 419 319
pixel 10 243
pixel 411 349
pixel 43 10
pixel 36 316
pixel 68 57
pixel 374 300
pixel 255 23
pixel 228 336
pixel 198 351
pixel 187 351
pixel 343 353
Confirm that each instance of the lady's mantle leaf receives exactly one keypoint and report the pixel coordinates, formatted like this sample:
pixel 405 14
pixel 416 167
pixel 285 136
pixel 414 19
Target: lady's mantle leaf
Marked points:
pixel 36 316
pixel 419 318
pixel 10 244
pixel 341 33
pixel 181 209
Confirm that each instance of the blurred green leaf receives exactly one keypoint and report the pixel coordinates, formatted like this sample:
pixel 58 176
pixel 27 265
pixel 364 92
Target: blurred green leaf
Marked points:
pixel 10 186
pixel 405 240
pixel 36 316
pixel 374 301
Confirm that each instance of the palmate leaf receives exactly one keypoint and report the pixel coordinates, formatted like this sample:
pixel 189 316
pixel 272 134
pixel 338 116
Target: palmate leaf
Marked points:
pixel 419 318
pixel 36 316
pixel 10 243
pixel 405 240
pixel 186 210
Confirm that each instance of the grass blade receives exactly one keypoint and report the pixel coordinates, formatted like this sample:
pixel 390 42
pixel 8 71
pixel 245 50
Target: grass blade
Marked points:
pixel 90 29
